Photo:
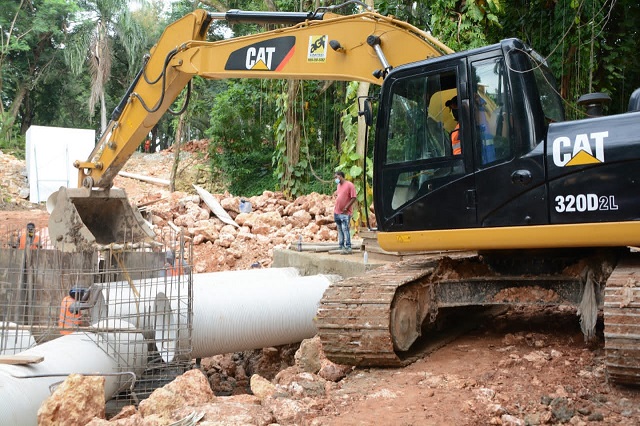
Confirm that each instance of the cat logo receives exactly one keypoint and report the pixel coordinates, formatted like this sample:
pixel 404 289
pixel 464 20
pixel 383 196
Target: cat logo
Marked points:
pixel 260 58
pixel 317 51
pixel 269 55
pixel 585 148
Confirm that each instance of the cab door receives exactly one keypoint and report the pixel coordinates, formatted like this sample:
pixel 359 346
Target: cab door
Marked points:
pixel 419 182
pixel 508 156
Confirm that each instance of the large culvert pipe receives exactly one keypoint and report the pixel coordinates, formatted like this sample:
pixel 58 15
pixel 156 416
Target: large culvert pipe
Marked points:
pixel 237 315
pixel 24 388
pixel 135 302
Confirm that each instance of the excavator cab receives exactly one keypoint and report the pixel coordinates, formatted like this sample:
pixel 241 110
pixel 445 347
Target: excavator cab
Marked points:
pixel 524 173
pixel 422 183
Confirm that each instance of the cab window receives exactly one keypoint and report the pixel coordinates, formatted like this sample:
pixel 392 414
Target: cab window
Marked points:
pixel 419 136
pixel 491 112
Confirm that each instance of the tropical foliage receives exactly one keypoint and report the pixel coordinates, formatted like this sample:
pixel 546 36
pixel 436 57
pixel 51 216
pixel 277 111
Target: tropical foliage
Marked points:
pixel 60 59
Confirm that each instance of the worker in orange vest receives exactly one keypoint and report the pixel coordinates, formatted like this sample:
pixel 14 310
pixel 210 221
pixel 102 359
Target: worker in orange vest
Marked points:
pixel 147 146
pixel 29 238
pixel 456 145
pixel 174 269
pixel 70 314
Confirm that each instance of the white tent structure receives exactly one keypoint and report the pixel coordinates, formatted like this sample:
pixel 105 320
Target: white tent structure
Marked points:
pixel 50 154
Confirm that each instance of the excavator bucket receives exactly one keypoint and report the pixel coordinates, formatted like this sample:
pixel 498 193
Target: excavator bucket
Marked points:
pixel 81 218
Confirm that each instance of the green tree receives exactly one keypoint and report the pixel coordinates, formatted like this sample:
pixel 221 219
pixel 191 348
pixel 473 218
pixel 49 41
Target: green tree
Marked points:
pixel 465 24
pixel 590 46
pixel 91 42
pixel 241 143
pixel 31 33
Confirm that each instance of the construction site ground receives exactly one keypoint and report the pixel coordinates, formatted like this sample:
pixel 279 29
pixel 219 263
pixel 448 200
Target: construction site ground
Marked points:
pixel 529 365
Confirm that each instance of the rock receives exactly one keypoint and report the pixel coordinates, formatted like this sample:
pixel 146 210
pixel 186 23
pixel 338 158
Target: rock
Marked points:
pixel 225 239
pixel 270 219
pixel 509 420
pixel 233 411
pixel 76 401
pixel 231 204
pixel 308 356
pixel 127 411
pixel 292 412
pixel 333 372
pixel 301 218
pixel 561 409
pixel 189 389
pixel 484 394
pixel 134 419
pixel 596 417
pixel 243 218
pixel 261 387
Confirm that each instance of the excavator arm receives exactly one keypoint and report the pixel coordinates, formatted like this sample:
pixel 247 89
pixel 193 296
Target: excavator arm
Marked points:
pixel 317 46
pixel 359 47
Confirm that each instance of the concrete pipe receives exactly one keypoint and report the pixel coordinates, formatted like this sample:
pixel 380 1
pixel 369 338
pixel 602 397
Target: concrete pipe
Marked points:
pixel 242 315
pixel 24 388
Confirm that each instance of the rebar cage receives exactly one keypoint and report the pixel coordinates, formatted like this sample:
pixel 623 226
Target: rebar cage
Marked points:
pixel 133 301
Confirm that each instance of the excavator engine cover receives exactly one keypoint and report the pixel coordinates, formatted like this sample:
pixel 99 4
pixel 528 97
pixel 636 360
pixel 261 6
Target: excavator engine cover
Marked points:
pixel 81 218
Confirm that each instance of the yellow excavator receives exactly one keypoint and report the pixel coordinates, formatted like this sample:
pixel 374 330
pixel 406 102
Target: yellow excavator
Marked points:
pixel 548 207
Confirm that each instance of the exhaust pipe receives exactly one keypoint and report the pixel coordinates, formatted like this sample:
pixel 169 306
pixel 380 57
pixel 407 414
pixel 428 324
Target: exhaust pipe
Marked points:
pixel 80 218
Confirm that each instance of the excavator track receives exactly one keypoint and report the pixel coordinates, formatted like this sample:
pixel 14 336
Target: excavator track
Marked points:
pixel 373 320
pixel 355 315
pixel 622 322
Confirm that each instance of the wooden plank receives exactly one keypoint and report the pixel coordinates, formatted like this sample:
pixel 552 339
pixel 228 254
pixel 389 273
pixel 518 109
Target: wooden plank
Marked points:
pixel 20 359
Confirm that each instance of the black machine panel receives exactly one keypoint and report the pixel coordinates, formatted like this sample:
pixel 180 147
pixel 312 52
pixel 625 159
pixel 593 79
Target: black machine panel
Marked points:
pixel 594 169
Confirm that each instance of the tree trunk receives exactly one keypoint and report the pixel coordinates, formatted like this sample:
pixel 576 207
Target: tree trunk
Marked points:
pixel 37 70
pixel 293 128
pixel 21 93
pixel 103 113
pixel 176 152
pixel 26 112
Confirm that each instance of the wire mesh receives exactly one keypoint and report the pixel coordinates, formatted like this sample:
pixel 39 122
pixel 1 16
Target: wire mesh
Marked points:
pixel 135 304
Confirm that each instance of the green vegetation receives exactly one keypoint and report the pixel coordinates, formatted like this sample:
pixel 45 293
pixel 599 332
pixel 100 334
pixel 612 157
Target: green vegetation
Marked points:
pixel 59 60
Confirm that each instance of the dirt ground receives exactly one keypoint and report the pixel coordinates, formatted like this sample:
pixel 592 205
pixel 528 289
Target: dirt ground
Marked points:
pixel 528 366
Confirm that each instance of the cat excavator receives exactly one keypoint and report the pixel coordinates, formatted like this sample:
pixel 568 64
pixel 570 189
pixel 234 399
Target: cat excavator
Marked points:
pixel 530 209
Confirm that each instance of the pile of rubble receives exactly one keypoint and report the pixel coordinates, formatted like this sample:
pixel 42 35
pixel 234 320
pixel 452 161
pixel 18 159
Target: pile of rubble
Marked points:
pixel 14 189
pixel 273 223
pixel 292 396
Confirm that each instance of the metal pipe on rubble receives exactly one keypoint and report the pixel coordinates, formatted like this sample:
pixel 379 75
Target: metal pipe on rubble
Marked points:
pixel 236 315
pixel 23 388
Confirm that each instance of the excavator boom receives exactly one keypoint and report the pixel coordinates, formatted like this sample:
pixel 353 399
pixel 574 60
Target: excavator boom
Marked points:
pixel 319 46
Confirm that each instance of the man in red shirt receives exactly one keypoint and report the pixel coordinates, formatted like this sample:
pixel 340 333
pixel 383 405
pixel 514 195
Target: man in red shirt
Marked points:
pixel 346 196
